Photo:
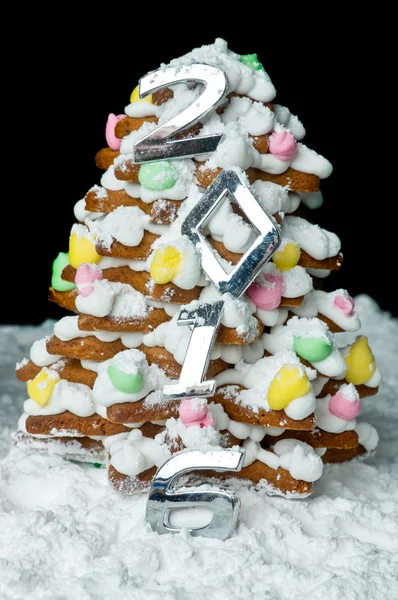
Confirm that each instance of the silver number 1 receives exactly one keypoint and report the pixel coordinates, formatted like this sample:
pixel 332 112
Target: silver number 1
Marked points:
pixel 204 321
pixel 157 145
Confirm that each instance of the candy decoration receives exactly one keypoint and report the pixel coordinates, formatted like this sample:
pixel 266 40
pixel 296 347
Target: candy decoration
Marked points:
pixel 40 388
pixel 86 276
pixel 251 61
pixel 158 176
pixel 135 96
pixel 360 362
pixel 81 250
pixel 194 411
pixel 166 264
pixel 288 257
pixel 57 283
pixel 345 303
pixel 312 349
pixel 129 383
pixel 283 145
pixel 112 141
pixel 267 291
pixel 289 383
pixel 345 407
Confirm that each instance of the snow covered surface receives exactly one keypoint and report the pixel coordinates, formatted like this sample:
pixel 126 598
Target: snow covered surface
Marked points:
pixel 64 534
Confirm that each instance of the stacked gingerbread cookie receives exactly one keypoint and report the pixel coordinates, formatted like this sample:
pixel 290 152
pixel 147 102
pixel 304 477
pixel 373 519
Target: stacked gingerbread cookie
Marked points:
pixel 287 391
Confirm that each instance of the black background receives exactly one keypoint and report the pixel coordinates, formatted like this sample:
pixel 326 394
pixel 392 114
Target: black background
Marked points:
pixel 69 76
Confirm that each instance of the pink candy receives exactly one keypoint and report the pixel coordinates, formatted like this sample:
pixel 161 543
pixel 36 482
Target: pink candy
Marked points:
pixel 283 145
pixel 112 140
pixel 342 407
pixel 86 276
pixel 194 411
pixel 267 295
pixel 346 303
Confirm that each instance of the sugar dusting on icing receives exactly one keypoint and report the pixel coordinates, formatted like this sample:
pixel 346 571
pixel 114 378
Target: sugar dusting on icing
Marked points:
pixel 75 397
pixel 129 362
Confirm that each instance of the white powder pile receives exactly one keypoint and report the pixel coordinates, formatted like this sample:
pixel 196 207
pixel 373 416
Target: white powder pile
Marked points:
pixel 64 534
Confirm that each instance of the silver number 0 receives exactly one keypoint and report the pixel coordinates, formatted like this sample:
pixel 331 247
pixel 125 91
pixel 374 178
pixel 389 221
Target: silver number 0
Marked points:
pixel 224 504
pixel 157 145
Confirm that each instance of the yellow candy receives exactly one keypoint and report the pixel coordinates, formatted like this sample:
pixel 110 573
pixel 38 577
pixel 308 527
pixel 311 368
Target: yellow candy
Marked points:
pixel 288 257
pixel 135 96
pixel 360 362
pixel 289 383
pixel 166 264
pixel 81 250
pixel 40 388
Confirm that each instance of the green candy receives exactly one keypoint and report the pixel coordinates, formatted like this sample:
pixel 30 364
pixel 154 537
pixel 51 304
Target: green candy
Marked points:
pixel 312 349
pixel 251 61
pixel 57 282
pixel 158 176
pixel 125 382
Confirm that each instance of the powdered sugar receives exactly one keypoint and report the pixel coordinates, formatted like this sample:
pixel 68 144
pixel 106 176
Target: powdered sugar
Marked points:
pixel 65 534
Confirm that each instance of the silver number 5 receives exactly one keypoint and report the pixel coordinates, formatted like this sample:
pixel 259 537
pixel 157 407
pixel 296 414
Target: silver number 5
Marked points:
pixel 157 145
pixel 163 499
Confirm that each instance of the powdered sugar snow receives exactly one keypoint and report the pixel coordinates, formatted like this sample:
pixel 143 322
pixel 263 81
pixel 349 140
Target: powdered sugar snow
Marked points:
pixel 64 534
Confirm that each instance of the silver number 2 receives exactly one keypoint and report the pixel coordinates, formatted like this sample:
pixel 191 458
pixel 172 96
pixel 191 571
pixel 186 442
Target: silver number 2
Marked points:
pixel 157 145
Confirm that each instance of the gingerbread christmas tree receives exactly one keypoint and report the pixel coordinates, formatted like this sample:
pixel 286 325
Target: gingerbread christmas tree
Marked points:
pixel 287 391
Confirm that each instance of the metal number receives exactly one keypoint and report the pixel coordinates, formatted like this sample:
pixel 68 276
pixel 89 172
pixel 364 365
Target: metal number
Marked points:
pixel 157 145
pixel 204 322
pixel 224 504
pixel 235 282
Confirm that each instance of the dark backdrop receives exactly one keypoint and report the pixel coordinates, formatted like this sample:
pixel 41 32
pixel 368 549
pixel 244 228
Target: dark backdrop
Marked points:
pixel 68 79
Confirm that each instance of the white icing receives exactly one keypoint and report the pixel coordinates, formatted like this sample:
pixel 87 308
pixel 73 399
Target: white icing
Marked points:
pixel 39 354
pixel 317 242
pixel 242 79
pixel 82 214
pixel 193 437
pixel 141 109
pixel 81 231
pixel 309 161
pixel 320 273
pixel 257 377
pixel 272 317
pixel 299 459
pixel 293 455
pixel 290 121
pixel 318 384
pixel 126 224
pixel 329 422
pixel 367 436
pixel 75 397
pixel 281 337
pixel 129 362
pixel 113 299
pixel 375 380
pixel 67 329
pixel 229 228
pixel 256 118
pixel 311 199
pixel 274 198
pixel 318 301
pixel 189 272
pixel 132 453
pixel 109 262
pixel 236 312
pixel 109 181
